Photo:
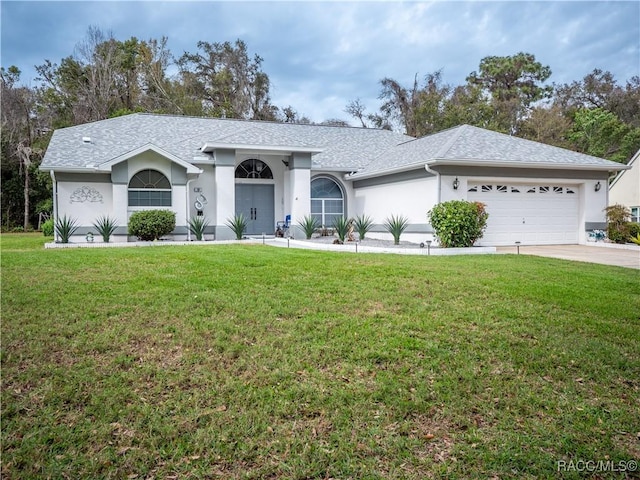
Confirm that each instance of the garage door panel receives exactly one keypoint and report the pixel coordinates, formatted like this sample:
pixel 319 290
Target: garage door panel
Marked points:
pixel 531 214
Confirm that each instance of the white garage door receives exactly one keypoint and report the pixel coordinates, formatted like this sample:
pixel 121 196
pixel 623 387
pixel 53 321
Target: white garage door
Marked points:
pixel 532 214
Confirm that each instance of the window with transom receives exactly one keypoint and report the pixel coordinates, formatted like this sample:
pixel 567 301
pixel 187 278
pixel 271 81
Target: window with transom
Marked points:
pixel 327 201
pixel 149 188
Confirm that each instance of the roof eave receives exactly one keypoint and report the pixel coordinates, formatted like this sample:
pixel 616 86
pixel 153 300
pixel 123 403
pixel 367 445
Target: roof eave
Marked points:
pixel 380 173
pixel 209 147
pixel 612 167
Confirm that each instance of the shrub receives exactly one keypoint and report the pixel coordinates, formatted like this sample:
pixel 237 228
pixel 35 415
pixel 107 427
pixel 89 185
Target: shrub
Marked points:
pixel 47 228
pixel 458 223
pixel 197 225
pixel 152 224
pixel 363 224
pixel 237 223
pixel 618 223
pixel 105 226
pixel 65 227
pixel 395 226
pixel 308 224
pixel 341 226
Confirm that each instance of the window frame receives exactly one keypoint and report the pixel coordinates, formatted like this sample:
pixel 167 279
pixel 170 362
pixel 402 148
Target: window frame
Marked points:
pixel 323 213
pixel 149 195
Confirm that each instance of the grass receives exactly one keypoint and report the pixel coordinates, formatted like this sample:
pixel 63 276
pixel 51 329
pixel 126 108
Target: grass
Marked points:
pixel 240 361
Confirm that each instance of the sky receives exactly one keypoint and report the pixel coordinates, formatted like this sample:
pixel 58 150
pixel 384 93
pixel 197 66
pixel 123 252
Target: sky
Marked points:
pixel 321 55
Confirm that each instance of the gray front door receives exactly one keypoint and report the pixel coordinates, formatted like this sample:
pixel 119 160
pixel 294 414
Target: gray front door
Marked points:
pixel 256 203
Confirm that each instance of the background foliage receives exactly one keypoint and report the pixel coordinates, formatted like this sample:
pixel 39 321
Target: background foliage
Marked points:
pixel 106 77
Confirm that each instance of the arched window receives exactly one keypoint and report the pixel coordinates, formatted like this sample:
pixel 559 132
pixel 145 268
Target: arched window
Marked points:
pixel 327 201
pixel 253 168
pixel 149 188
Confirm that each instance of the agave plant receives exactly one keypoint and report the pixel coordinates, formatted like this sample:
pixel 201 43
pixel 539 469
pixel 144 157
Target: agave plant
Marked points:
pixel 308 224
pixel 395 226
pixel 341 226
pixel 105 226
pixel 237 223
pixel 65 227
pixel 363 224
pixel 197 225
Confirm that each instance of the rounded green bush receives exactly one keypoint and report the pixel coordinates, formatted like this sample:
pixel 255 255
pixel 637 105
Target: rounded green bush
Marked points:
pixel 458 223
pixel 152 224
pixel 47 228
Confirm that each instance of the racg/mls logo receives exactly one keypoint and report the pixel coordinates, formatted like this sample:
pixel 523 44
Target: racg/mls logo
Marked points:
pixel 592 466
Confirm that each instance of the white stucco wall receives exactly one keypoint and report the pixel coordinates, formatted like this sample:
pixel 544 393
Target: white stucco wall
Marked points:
pixel 84 201
pixel 626 189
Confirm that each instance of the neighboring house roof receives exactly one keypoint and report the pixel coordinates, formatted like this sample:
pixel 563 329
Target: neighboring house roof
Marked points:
pixel 336 148
pixel 367 152
pixel 631 164
pixel 467 145
pixel 625 187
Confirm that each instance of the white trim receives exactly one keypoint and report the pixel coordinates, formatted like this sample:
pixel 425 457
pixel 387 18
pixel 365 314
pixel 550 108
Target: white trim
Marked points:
pixel 209 147
pixel 537 165
pixel 621 172
pixel 107 166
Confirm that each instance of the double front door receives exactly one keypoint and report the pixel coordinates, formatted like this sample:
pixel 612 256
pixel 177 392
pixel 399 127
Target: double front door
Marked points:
pixel 256 203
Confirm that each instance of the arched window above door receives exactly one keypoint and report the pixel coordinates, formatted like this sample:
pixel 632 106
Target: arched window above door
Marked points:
pixel 254 168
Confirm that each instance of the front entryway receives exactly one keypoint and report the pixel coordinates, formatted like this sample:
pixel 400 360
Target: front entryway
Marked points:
pixel 256 203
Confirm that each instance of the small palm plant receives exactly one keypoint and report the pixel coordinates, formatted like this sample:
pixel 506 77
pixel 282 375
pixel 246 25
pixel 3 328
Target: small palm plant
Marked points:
pixel 363 224
pixel 105 226
pixel 197 225
pixel 395 226
pixel 237 223
pixel 65 227
pixel 341 226
pixel 309 223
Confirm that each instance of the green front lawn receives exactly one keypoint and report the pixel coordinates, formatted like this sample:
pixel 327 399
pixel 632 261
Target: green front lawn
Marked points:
pixel 240 361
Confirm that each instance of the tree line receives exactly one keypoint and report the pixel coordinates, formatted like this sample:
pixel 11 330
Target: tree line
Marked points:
pixel 105 77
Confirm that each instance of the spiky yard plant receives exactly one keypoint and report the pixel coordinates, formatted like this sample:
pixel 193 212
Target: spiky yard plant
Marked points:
pixel 395 225
pixel 363 224
pixel 197 226
pixel 308 224
pixel 105 226
pixel 65 227
pixel 238 224
pixel 341 226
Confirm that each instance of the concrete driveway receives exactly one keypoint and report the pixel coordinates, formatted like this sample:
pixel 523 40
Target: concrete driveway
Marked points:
pixel 606 255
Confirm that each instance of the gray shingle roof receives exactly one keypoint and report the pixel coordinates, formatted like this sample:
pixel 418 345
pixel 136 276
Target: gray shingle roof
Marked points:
pixel 343 148
pixel 348 149
pixel 465 144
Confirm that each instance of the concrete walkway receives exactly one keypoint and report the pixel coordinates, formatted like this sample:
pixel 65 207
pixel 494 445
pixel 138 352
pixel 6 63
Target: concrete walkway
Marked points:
pixel 606 255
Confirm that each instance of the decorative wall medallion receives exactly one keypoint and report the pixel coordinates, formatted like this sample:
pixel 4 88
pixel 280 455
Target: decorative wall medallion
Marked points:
pixel 86 194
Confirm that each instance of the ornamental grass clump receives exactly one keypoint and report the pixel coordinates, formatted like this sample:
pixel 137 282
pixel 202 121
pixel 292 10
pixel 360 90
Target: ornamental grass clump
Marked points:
pixel 363 224
pixel 238 224
pixel 150 225
pixel 65 227
pixel 341 226
pixel 197 226
pixel 458 223
pixel 395 226
pixel 308 224
pixel 105 226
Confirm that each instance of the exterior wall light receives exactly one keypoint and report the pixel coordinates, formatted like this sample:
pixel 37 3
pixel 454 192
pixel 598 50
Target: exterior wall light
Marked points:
pixel 456 183
pixel 598 187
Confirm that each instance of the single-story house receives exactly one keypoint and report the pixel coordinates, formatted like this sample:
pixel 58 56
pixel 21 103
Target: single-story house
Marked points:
pixel 625 188
pixel 534 193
